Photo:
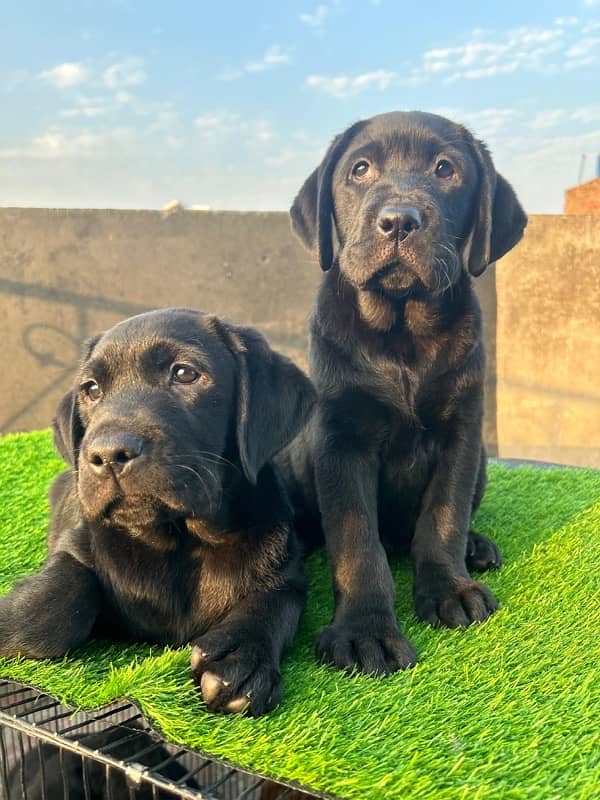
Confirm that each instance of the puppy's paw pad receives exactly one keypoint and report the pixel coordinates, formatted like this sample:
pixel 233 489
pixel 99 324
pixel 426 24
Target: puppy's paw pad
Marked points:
pixel 211 686
pixel 482 553
pixel 365 650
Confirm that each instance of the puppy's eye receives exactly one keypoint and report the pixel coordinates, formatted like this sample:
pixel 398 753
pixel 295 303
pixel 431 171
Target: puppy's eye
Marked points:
pixel 360 170
pixel 444 169
pixel 91 390
pixel 183 373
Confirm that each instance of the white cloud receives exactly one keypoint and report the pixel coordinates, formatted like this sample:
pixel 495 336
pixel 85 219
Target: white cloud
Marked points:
pixel 586 114
pixel 562 46
pixel 350 85
pixel 89 107
pixel 583 52
pixel 55 144
pixel 273 57
pixel 221 124
pixel 488 123
pixel 547 119
pixel 317 18
pixel 569 43
pixel 124 73
pixel 65 75
pixel 482 56
pixel 566 21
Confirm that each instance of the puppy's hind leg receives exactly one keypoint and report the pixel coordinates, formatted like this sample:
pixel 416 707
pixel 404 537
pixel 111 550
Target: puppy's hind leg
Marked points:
pixel 482 554
pixel 51 612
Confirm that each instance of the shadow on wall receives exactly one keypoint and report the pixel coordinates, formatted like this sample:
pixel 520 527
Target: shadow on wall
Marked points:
pixel 53 349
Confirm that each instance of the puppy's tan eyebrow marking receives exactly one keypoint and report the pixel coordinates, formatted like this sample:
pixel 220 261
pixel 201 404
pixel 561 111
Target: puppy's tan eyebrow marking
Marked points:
pixel 96 368
pixel 163 353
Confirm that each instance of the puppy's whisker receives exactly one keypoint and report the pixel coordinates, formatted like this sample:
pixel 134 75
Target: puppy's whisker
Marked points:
pixel 207 455
pixel 202 483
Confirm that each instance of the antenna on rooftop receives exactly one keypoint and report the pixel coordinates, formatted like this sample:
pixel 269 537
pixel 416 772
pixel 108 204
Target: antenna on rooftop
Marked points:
pixel 581 167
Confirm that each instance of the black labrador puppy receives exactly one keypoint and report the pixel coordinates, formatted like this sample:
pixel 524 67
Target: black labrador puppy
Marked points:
pixel 402 211
pixel 172 525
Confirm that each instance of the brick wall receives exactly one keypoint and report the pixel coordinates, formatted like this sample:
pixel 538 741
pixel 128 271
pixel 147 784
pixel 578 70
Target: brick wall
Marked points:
pixel 583 199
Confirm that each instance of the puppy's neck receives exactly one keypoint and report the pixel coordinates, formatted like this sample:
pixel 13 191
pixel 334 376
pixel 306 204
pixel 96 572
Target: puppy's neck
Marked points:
pixel 420 316
pixel 244 506
pixel 377 311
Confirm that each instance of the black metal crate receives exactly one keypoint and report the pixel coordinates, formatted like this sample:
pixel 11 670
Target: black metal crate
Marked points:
pixel 49 751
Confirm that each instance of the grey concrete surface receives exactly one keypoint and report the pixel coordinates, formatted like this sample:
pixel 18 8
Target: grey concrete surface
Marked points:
pixel 65 275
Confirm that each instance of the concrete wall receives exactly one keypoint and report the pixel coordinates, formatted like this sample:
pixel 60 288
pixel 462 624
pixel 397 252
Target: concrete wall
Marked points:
pixel 67 274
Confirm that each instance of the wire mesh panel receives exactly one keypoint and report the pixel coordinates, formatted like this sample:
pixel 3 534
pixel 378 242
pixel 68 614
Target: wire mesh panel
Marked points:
pixel 48 751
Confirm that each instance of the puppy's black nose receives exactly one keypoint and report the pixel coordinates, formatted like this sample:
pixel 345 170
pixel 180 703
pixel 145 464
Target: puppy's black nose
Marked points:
pixel 113 451
pixel 398 221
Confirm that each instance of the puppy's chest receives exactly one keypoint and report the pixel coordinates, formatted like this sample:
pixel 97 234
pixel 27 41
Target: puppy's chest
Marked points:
pixel 171 596
pixel 233 570
pixel 415 392
pixel 149 594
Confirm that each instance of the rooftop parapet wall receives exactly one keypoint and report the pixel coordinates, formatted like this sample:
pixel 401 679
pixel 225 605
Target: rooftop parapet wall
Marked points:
pixel 65 275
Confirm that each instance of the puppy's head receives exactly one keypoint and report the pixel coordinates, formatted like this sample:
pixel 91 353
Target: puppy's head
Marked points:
pixel 412 198
pixel 165 405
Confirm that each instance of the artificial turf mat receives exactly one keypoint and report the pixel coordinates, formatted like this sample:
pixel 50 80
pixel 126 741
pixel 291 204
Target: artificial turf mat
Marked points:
pixel 508 709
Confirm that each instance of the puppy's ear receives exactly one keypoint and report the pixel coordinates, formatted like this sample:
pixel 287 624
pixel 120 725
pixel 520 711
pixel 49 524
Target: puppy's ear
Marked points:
pixel 312 212
pixel 67 427
pixel 499 217
pixel 275 399
pixel 304 212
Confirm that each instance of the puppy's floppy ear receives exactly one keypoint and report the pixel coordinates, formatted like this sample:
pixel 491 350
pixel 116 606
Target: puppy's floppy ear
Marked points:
pixel 312 212
pixel 67 427
pixel 275 399
pixel 499 218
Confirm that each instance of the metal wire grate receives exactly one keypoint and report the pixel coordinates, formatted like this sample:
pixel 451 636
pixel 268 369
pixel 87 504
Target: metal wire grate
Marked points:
pixel 49 751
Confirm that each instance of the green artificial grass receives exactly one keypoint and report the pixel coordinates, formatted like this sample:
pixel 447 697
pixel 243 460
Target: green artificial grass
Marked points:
pixel 508 709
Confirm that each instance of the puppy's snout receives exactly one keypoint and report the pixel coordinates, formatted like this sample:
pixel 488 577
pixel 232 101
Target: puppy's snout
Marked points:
pixel 114 451
pixel 398 222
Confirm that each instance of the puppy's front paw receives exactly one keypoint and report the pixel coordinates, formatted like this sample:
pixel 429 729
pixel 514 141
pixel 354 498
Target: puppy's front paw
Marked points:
pixel 455 602
pixel 236 674
pixel 369 644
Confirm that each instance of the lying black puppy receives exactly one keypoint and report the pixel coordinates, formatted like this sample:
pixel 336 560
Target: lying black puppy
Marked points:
pixel 172 525
pixel 393 457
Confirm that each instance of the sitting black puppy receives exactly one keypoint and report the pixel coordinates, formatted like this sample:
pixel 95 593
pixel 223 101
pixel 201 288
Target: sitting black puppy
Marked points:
pixel 172 525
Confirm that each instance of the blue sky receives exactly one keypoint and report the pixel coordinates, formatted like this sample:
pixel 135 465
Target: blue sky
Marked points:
pixel 131 104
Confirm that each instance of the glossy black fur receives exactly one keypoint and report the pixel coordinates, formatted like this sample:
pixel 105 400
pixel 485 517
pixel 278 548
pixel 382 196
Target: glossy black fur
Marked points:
pixel 172 524
pixel 393 458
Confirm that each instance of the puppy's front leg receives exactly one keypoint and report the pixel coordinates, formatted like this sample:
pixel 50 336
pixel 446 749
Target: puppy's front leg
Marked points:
pixel 364 634
pixel 51 612
pixel 237 662
pixel 444 592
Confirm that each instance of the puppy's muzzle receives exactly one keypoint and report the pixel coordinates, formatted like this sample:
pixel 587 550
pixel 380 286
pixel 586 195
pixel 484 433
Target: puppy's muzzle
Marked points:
pixel 120 453
pixel 398 222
